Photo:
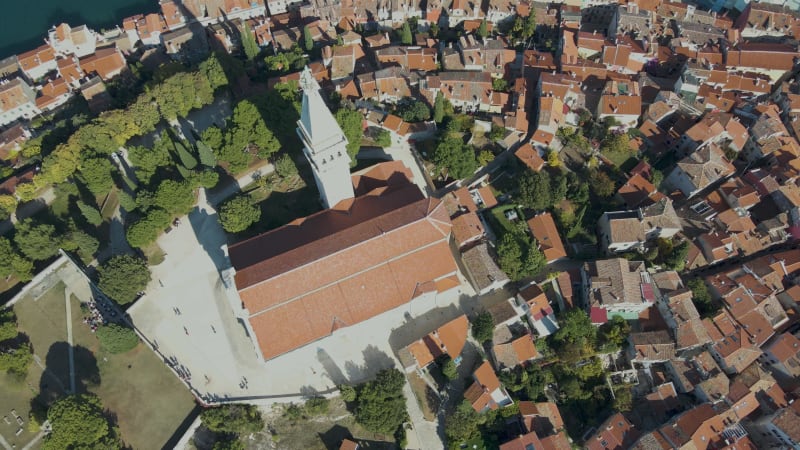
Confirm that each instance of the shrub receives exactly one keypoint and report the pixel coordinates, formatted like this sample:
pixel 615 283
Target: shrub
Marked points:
pixel 117 339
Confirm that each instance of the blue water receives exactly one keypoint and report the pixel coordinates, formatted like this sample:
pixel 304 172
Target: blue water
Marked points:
pixel 24 23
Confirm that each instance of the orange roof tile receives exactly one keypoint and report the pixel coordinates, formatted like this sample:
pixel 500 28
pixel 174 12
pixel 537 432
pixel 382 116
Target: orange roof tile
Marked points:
pixel 530 157
pixel 467 227
pixel 544 230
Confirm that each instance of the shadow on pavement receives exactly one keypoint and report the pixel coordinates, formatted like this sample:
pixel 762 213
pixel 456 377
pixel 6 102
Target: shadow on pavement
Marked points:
pixel 333 371
pixel 210 236
pixel 375 360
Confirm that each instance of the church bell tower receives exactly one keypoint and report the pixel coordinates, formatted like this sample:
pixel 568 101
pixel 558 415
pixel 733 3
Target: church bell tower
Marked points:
pixel 325 145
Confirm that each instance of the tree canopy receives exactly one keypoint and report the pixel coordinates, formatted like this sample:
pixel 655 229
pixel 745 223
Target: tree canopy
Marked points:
pixel 96 174
pixel 534 191
pixel 380 403
pixel 37 241
pixel 462 425
pixel 175 197
pixel 77 421
pixel 350 121
pixel 406 38
pixel 238 214
pixel 122 277
pixel 233 418
pixel 453 155
pixel 249 44
pixel 117 338
pixel 413 110
pixel 483 327
pixel 14 263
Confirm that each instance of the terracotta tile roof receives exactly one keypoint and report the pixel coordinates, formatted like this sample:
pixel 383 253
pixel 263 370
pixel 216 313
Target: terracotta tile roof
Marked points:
pixel 390 173
pixel 616 433
pixel 788 421
pixel 537 301
pixel 482 267
pixel 70 69
pixel 448 339
pixel 524 442
pixel 556 442
pixel 611 104
pixel 479 397
pixel 107 62
pixel 467 228
pixel 485 376
pixel 636 190
pixel 340 266
pixel 347 444
pixel 487 196
pixel 653 346
pixel 9 186
pixel 530 157
pixel 786 349
pixel 517 352
pixel 13 94
pixel 544 418
pixel 51 93
pixel 615 281
pixel 36 57
pixel 544 230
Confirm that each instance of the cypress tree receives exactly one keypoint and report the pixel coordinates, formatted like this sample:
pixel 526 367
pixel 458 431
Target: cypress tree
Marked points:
pixel 206 154
pixel 91 213
pixel 186 158
pixel 308 42
pixel 405 34
pixel 438 108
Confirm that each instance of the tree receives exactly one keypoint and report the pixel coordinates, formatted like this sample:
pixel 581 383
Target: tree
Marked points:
pixel 187 159
pixel 122 277
pixel 247 135
pixel 453 155
pixel 206 155
pixel 700 296
pixel 552 159
pixel 406 38
pixel 81 242
pixel 175 197
pixel 147 229
pixel 483 327
pixel 615 331
pixel 438 107
pixel 509 256
pixel 602 185
pixel 534 191
pixel 147 161
pixel 462 425
pixel 485 157
pixel 8 203
pixel 285 167
pixel 16 360
pixel 383 138
pixel 78 421
pixel 676 260
pixel 13 263
pixel 308 40
pixel 237 214
pixel 96 174
pixel 347 392
pixel 482 30
pixel 618 143
pixel 214 71
pixel 8 325
pixel 449 369
pixel 228 444
pixel 623 399
pixel 126 201
pixel 37 242
pixel 413 110
pixel 535 260
pixel 117 338
pixel 207 178
pixel 249 45
pixel 233 418
pixel 350 121
pixel 380 403
pixel 500 85
pixel 576 338
pixel 90 213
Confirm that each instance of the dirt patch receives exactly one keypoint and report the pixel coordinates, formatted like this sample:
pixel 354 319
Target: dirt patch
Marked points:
pixel 427 398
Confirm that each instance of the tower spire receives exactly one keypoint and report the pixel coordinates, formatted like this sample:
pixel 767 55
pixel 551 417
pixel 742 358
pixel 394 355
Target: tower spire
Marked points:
pixel 325 145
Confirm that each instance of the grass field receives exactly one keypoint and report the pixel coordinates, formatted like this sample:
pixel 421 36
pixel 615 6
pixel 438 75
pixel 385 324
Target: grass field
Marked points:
pixel 148 401
pixel 499 221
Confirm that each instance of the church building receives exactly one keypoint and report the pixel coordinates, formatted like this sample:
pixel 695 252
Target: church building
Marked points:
pixel 381 244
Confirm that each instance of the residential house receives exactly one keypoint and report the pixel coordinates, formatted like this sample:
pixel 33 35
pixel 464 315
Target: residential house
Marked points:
pixel 53 94
pixel 622 231
pixel 490 55
pixel 11 140
pixel 771 58
pixel 740 196
pixel 615 433
pixel 449 339
pixel 38 62
pixel 17 101
pixel 519 351
pixel 523 442
pixel 681 315
pixel 276 7
pixel 387 85
pixel 409 58
pixel 70 70
pixel 482 269
pixel 700 170
pixel 467 91
pixel 65 40
pixel 780 429
pixel 783 355
pixel 545 232
pixel 537 306
pixel 9 185
pixel 663 402
pixel 187 44
pixel 530 157
pixel 651 347
pixel 719 128
pixel 96 94
pixel 766 135
pixel 735 347
pixel 486 392
pixel 543 417
pixel 107 62
pixel 638 191
pixel 173 16
pixel 616 287
pixel 622 101
pixel 347 61
pixel 549 119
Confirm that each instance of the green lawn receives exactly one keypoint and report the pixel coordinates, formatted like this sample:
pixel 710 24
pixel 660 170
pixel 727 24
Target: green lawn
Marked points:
pixel 148 401
pixel 499 222
pixel 624 160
